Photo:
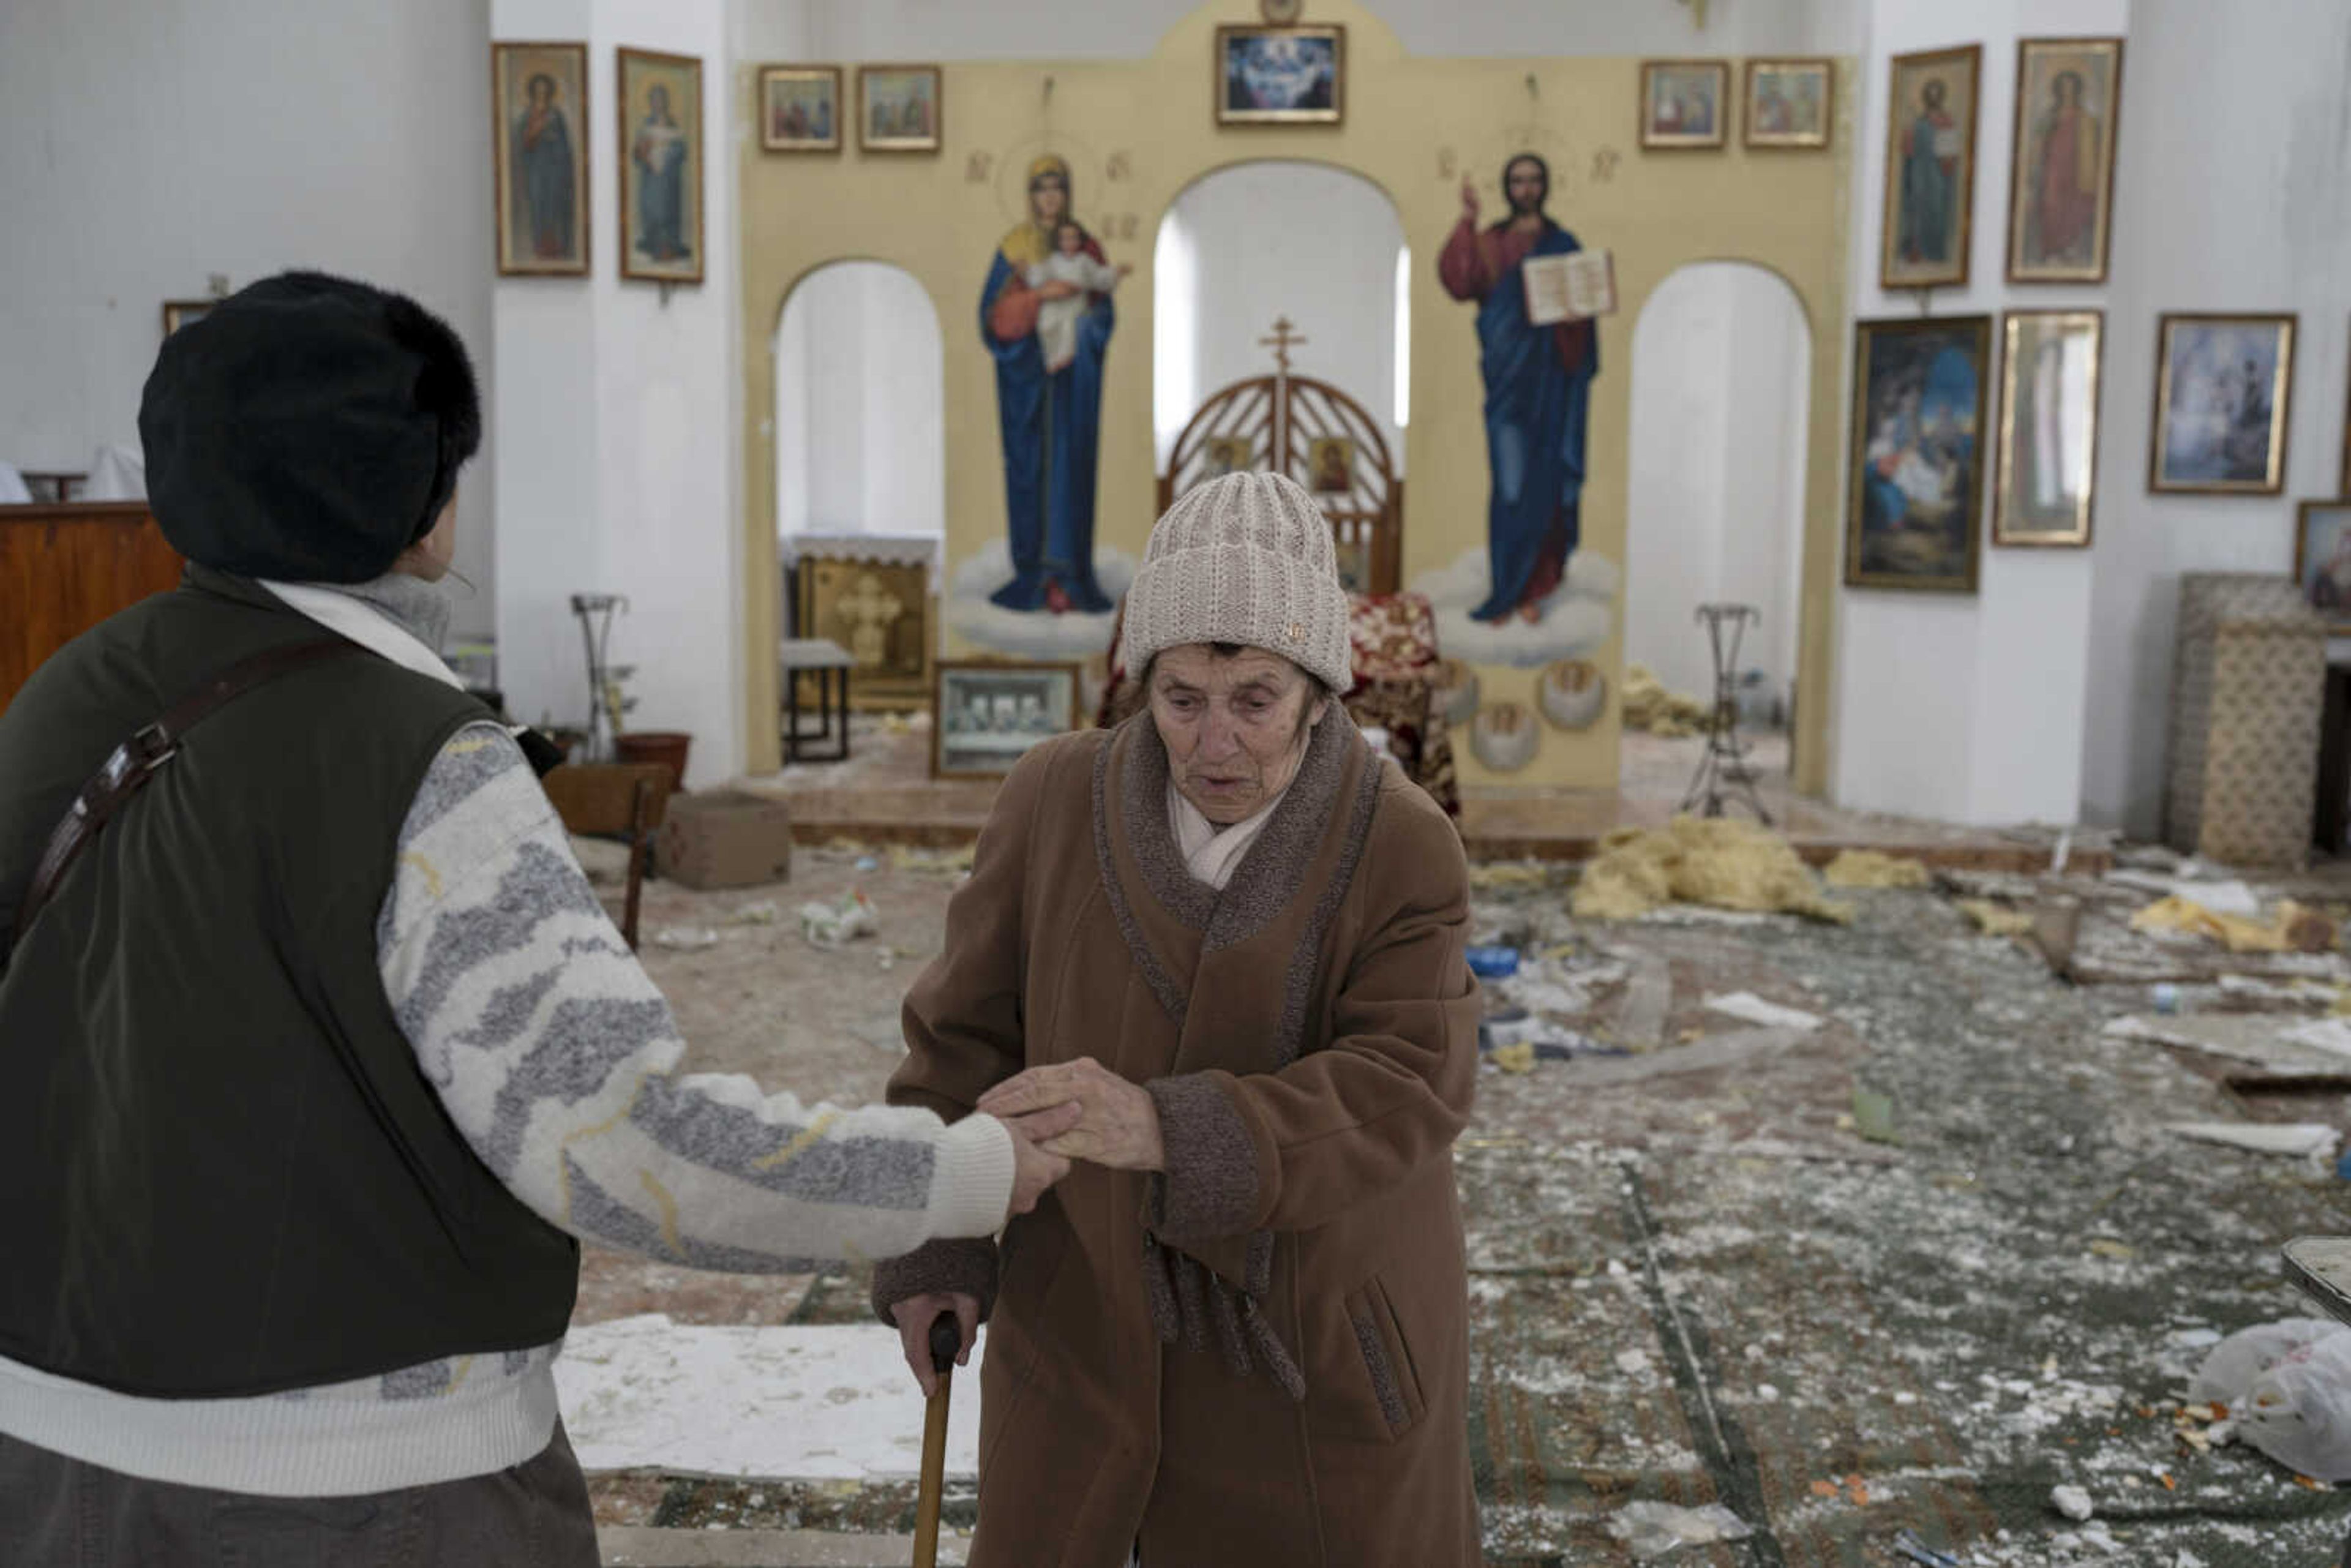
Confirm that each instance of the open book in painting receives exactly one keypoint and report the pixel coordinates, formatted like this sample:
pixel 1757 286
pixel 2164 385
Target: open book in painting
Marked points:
pixel 1574 287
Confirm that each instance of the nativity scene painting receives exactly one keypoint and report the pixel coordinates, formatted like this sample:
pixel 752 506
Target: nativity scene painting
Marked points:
pixel 1918 453
pixel 1529 596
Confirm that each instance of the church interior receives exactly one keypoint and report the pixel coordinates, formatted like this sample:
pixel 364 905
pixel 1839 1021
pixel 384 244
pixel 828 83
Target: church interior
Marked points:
pixel 1843 505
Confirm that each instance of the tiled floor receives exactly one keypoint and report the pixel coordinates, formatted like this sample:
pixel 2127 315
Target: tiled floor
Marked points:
pixel 884 793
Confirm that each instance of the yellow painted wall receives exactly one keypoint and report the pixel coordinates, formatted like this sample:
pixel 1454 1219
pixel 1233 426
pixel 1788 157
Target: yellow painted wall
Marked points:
pixel 1137 132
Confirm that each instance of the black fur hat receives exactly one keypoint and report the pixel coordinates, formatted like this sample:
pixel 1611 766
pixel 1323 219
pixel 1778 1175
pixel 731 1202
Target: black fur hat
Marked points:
pixel 307 428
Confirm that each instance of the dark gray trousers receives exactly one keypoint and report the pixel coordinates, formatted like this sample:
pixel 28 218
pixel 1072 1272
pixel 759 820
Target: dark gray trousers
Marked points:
pixel 57 1512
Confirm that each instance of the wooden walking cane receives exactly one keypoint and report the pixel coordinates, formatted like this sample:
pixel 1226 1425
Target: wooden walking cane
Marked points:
pixel 947 1339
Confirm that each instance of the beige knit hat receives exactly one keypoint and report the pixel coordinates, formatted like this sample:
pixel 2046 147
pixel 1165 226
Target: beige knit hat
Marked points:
pixel 1245 559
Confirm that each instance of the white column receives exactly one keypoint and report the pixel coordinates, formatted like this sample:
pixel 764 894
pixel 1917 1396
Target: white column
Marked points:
pixel 616 465
pixel 1968 708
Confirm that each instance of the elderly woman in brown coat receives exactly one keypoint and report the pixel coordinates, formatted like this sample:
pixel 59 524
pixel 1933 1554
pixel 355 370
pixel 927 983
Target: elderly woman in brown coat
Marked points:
pixel 1230 932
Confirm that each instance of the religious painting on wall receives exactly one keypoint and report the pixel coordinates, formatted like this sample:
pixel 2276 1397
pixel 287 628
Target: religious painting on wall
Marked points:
pixel 1530 593
pixel 899 108
pixel 1789 103
pixel 1917 457
pixel 988 714
pixel 799 109
pixel 1684 103
pixel 661 166
pixel 2222 387
pixel 2048 427
pixel 1281 76
pixel 2322 560
pixel 880 611
pixel 539 104
pixel 1223 455
pixel 1930 169
pixel 1331 464
pixel 2061 184
pixel 1046 318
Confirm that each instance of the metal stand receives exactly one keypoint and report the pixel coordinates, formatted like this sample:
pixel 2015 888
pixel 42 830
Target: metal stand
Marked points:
pixel 1723 770
pixel 605 703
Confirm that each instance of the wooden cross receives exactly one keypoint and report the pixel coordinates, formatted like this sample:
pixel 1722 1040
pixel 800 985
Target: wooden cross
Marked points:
pixel 1281 342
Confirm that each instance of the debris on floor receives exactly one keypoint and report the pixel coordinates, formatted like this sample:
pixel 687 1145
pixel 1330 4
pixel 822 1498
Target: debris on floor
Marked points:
pixel 1650 706
pixel 1994 919
pixel 834 925
pixel 1869 868
pixel 1749 1007
pixel 2291 927
pixel 1653 1529
pixel 2287 1385
pixel 685 939
pixel 1724 862
pixel 2300 1139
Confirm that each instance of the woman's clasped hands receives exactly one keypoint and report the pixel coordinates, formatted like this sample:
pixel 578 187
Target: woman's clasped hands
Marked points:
pixel 1117 1124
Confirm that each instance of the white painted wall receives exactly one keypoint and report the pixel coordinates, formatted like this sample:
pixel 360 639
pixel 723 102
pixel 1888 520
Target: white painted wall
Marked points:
pixel 146 144
pixel 1969 709
pixel 618 468
pixel 1721 368
pixel 860 404
pixel 2234 192
pixel 1252 257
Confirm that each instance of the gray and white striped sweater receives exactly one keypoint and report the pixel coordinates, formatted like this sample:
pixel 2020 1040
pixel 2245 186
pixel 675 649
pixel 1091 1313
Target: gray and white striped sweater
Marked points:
pixel 557 1060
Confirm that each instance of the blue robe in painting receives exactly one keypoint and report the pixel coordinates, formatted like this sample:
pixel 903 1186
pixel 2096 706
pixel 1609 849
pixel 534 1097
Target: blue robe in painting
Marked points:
pixel 1536 412
pixel 1052 428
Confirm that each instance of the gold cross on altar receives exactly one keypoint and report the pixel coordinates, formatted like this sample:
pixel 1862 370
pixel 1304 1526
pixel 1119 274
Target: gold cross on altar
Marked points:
pixel 1281 342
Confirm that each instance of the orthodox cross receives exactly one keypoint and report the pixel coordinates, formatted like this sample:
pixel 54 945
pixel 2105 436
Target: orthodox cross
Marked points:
pixel 1282 341
pixel 870 611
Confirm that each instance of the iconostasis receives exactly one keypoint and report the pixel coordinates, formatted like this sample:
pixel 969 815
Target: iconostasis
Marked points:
pixel 1014 192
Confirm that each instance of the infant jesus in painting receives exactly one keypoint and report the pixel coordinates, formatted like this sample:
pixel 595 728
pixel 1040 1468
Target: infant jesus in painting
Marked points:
pixel 1077 276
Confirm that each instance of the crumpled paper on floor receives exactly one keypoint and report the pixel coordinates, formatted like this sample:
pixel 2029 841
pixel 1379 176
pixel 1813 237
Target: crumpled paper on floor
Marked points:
pixel 831 924
pixel 1728 862
pixel 2291 927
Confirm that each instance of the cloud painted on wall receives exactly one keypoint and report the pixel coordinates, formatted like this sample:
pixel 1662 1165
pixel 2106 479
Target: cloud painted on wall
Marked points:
pixel 1576 618
pixel 1031 635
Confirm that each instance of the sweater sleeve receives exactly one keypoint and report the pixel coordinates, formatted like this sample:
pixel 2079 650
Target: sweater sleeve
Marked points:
pixel 557 1060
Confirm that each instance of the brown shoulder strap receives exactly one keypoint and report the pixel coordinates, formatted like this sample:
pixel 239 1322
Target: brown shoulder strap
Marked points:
pixel 127 770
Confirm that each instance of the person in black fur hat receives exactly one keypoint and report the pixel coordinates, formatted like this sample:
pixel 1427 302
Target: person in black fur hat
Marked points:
pixel 322 1052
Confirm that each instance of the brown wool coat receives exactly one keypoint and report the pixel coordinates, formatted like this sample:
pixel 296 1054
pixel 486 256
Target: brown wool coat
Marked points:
pixel 1309 1038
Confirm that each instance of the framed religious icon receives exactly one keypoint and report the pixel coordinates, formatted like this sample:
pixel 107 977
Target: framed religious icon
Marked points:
pixel 880 610
pixel 1685 103
pixel 986 714
pixel 1917 462
pixel 178 313
pixel 2048 462
pixel 1789 103
pixel 799 109
pixel 2322 560
pixel 1223 455
pixel 1930 169
pixel 538 155
pixel 1281 75
pixel 2222 384
pixel 2061 180
pixel 899 108
pixel 661 166
pixel 1331 464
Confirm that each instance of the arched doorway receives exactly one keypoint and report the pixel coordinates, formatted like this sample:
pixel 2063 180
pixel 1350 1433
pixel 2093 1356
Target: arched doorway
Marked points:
pixel 1720 426
pixel 860 472
pixel 1323 250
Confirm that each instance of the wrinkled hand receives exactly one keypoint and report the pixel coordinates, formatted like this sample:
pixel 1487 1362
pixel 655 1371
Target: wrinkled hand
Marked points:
pixel 1469 198
pixel 1034 1168
pixel 1117 1126
pixel 916 1313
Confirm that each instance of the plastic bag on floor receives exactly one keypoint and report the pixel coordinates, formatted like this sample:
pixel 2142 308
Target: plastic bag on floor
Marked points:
pixel 2287 1385
pixel 831 925
pixel 1653 1529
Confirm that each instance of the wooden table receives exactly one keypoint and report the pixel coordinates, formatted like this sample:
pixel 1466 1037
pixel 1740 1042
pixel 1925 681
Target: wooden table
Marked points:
pixel 829 662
